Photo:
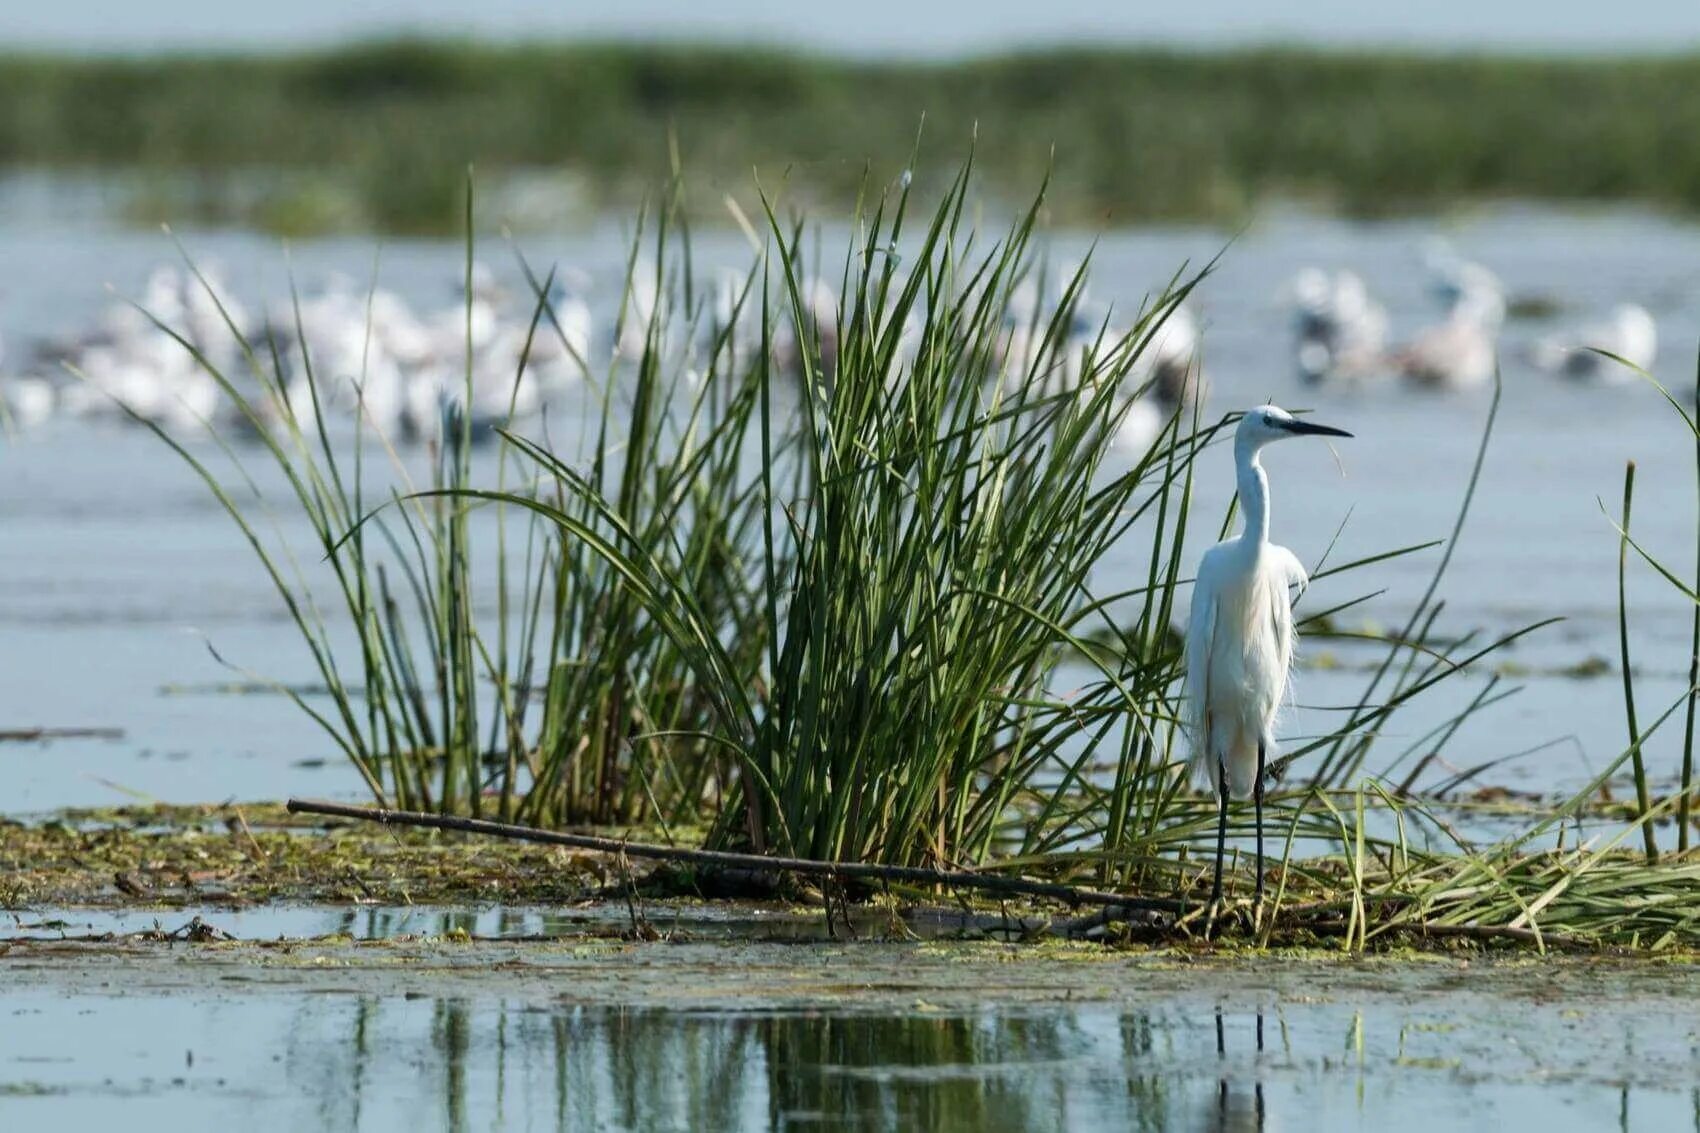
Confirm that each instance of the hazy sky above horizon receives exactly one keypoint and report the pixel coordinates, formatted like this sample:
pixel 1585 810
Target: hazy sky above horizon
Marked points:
pixel 869 26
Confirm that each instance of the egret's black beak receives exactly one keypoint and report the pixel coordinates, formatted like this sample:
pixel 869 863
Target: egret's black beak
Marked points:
pixel 1307 429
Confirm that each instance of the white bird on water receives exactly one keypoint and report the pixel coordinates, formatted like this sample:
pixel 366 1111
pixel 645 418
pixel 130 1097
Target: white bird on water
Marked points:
pixel 1239 641
pixel 1460 352
pixel 1340 331
pixel 1630 333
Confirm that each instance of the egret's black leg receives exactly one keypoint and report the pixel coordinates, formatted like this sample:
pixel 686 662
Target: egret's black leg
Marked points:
pixel 1257 801
pixel 1221 829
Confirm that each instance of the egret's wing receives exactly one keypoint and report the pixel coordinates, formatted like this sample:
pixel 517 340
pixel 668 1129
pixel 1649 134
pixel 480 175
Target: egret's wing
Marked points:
pixel 1293 580
pixel 1298 579
pixel 1200 640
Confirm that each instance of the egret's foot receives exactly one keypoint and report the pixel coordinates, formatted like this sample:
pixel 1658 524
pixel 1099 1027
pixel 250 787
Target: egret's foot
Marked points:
pixel 1206 917
pixel 1213 912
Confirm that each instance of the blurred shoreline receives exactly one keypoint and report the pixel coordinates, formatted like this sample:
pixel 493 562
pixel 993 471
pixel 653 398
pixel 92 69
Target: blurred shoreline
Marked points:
pixel 376 137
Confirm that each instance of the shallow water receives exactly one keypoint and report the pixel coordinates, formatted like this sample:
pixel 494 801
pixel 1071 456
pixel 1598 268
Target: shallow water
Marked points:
pixel 881 1037
pixel 114 561
pixel 741 921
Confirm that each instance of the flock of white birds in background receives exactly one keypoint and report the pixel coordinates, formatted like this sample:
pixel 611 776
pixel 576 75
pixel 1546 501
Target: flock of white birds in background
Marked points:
pixel 373 356
pixel 1341 332
pixel 365 354
pixel 343 349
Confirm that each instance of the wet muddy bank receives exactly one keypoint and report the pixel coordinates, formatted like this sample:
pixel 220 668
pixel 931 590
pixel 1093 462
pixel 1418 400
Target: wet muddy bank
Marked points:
pixel 875 975
pixel 128 866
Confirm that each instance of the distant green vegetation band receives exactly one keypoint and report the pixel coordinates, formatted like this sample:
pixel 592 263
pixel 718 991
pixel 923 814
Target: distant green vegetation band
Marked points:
pixel 378 135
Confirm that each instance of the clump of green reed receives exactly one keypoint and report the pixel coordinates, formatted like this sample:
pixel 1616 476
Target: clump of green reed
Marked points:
pixel 931 510
pixel 626 728
pixel 941 557
pixel 532 711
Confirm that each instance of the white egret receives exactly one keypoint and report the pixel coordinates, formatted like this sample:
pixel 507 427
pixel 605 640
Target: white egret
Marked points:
pixel 1239 641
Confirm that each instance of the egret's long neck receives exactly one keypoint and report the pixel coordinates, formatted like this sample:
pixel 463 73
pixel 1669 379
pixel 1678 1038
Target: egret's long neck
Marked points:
pixel 1254 494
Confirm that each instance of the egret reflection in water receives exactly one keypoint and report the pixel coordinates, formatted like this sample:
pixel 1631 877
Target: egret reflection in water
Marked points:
pixel 1237 1109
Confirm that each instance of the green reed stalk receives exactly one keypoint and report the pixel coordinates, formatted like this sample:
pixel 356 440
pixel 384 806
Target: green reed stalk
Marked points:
pixel 1642 796
pixel 1685 787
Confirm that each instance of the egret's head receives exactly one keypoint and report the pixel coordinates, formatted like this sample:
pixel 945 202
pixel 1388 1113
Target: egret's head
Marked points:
pixel 1269 423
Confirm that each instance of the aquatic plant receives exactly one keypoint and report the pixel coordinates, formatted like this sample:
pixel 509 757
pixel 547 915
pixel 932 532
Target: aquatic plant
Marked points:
pixel 527 712
pixel 929 516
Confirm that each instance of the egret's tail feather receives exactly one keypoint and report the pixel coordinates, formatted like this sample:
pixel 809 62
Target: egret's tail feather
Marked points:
pixel 1234 749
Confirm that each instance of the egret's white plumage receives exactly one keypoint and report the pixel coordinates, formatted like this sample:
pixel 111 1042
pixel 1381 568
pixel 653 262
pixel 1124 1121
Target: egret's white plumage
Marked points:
pixel 1239 652
pixel 1239 644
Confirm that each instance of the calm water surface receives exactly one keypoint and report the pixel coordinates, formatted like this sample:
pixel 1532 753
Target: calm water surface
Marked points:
pixel 331 1059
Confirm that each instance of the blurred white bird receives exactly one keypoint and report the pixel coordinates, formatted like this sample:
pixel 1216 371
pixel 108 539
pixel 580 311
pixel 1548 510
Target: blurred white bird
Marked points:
pixel 1340 332
pixel 1141 424
pixel 210 311
pixel 27 402
pixel 561 349
pixel 1629 332
pixel 1171 360
pixel 1463 349
pixel 643 306
pixel 819 317
pixel 1022 333
pixel 1451 276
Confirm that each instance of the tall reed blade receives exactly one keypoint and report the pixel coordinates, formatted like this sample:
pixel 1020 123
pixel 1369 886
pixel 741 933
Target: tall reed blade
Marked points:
pixel 1685 785
pixel 1642 796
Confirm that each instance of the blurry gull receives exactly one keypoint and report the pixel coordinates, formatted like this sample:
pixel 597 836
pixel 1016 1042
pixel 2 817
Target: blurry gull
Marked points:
pixel 642 308
pixel 1462 350
pixel 819 317
pixel 1170 361
pixel 26 402
pixel 1452 277
pixel 1340 332
pixel 1629 332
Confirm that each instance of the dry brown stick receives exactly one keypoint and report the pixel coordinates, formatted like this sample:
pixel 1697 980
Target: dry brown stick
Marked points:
pixel 254 843
pixel 867 871
pixel 30 735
